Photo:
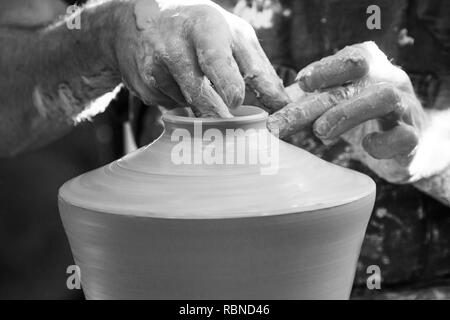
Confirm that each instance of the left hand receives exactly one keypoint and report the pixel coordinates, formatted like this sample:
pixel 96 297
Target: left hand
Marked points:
pixel 360 96
pixel 189 54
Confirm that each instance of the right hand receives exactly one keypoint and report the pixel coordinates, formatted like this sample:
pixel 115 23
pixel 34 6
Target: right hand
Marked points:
pixel 192 54
pixel 359 95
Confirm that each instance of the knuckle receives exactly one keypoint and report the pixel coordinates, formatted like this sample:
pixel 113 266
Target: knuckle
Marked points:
pixel 321 128
pixel 252 74
pixel 244 29
pixel 402 76
pixel 395 98
pixel 237 95
pixel 196 93
pixel 391 95
pixel 213 58
pixel 206 11
pixel 368 49
pixel 388 90
pixel 208 16
pixel 336 95
pixel 352 51
pixel 171 45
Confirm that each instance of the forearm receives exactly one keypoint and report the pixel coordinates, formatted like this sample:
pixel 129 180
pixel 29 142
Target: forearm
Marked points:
pixel 50 77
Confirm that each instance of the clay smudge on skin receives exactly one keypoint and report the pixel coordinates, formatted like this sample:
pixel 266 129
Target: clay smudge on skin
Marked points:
pixel 38 103
pixel 64 105
pixel 346 66
pixel 146 12
pixel 295 116
pixel 70 104
pixel 61 105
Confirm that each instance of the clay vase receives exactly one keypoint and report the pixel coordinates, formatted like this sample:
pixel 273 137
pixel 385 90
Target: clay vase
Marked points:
pixel 196 215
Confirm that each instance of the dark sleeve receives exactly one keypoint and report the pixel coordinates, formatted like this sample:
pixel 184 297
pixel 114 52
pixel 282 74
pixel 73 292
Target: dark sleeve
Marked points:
pixel 427 59
pixel 435 17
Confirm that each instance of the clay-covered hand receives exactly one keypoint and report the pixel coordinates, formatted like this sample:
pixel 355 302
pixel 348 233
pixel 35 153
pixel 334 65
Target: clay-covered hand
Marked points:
pixel 192 54
pixel 357 94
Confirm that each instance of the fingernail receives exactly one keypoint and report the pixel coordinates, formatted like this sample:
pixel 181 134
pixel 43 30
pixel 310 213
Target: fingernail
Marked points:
pixel 303 78
pixel 234 96
pixel 300 77
pixel 274 125
pixel 322 129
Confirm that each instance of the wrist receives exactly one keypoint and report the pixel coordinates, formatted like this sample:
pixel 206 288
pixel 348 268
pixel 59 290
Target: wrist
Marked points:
pixel 105 22
pixel 432 155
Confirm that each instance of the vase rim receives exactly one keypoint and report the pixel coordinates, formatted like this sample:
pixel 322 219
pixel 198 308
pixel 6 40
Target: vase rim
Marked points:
pixel 242 114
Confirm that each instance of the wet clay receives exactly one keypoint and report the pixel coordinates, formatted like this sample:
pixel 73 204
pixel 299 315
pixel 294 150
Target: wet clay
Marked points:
pixel 146 227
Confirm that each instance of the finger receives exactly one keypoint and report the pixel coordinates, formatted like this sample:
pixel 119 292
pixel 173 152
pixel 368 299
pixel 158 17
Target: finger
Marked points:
pixel 216 60
pixel 399 141
pixel 295 93
pixel 259 74
pixel 156 97
pixel 298 115
pixel 286 74
pixel 181 60
pixel 345 66
pixel 378 101
pixel 167 84
pixel 144 87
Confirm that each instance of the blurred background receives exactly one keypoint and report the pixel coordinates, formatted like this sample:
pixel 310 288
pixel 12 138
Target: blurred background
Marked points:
pixel 408 236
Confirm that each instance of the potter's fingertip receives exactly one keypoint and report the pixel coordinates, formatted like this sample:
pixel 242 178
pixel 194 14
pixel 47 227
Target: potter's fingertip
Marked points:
pixel 234 95
pixel 277 126
pixel 236 100
pixel 273 124
pixel 304 79
pixel 321 130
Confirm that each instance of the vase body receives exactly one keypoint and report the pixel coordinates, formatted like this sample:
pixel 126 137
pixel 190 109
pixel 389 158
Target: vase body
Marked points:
pixel 217 209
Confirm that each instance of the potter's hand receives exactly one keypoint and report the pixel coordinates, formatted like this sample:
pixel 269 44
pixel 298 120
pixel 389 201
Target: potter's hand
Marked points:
pixel 169 52
pixel 367 101
pixel 195 54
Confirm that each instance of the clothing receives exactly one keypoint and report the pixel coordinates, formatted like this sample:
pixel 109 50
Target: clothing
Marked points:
pixel 34 251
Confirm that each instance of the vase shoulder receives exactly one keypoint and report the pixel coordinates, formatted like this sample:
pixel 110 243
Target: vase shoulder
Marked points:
pixel 207 180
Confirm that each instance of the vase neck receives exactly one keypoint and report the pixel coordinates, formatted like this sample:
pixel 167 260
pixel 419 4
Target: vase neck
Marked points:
pixel 245 118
